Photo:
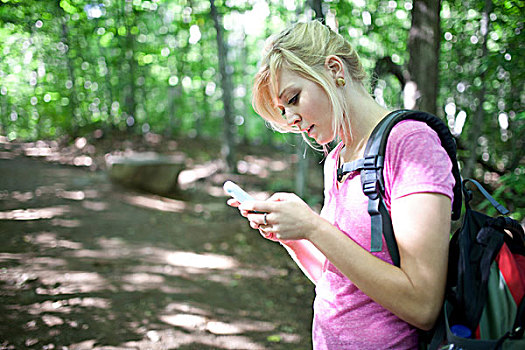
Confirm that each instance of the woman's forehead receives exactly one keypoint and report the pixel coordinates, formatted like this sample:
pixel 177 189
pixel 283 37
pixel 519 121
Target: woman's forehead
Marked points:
pixel 281 80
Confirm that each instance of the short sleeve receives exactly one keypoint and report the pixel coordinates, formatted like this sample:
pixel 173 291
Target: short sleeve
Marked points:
pixel 415 162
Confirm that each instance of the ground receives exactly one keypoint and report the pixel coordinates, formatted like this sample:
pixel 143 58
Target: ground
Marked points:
pixel 88 264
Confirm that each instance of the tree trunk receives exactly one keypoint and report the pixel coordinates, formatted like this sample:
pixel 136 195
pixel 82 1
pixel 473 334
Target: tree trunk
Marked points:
pixel 228 146
pixel 303 161
pixel 108 88
pixel 202 116
pixel 423 46
pixel 475 130
pixel 130 101
pixel 75 110
pixel 317 6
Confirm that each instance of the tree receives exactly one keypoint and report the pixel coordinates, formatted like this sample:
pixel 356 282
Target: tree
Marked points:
pixel 69 62
pixel 228 146
pixel 475 132
pixel 423 46
pixel 303 161
pixel 73 66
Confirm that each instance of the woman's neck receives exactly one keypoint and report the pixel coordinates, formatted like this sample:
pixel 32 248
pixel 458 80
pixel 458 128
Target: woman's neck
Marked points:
pixel 364 114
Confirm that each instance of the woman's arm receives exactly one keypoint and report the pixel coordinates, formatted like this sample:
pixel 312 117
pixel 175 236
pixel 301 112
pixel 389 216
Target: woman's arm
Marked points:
pixel 415 291
pixel 309 259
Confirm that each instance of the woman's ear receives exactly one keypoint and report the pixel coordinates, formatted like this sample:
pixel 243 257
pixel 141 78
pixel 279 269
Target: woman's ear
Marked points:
pixel 335 66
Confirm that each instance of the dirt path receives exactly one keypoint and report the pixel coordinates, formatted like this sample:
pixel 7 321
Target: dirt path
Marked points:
pixel 88 265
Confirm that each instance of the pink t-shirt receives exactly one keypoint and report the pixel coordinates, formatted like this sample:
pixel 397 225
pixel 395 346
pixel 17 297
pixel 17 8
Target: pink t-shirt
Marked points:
pixel 345 317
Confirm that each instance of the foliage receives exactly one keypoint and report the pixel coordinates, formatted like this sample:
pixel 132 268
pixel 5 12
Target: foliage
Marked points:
pixel 70 67
pixel 492 80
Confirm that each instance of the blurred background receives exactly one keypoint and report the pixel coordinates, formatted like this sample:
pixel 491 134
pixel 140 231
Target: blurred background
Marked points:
pixel 73 68
pixel 166 85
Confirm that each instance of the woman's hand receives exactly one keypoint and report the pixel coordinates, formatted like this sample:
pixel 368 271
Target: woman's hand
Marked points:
pixel 268 235
pixel 284 216
pixel 309 259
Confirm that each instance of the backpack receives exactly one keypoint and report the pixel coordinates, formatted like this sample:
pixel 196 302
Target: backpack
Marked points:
pixel 484 305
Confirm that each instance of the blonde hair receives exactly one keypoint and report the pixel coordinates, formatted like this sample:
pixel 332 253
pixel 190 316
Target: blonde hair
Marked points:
pixel 303 48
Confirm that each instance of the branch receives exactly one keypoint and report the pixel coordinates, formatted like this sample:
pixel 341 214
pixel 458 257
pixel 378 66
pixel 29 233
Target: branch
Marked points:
pixel 479 160
pixel 385 66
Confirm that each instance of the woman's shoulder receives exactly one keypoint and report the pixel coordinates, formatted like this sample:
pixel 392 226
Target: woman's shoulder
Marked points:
pixel 408 127
pixel 412 136
pixel 411 133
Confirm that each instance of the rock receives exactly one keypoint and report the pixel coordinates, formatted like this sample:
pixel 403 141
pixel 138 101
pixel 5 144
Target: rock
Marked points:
pixel 148 171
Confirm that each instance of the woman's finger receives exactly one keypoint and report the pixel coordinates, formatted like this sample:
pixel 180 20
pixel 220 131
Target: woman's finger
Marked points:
pixel 281 196
pixel 258 218
pixel 268 233
pixel 233 202
pixel 259 206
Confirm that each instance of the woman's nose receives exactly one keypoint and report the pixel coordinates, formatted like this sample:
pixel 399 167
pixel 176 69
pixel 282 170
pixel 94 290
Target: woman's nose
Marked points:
pixel 292 118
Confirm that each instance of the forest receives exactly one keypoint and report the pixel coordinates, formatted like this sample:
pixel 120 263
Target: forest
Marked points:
pixel 89 264
pixel 182 68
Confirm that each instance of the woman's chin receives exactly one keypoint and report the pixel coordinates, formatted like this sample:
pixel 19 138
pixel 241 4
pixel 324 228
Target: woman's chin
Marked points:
pixel 321 141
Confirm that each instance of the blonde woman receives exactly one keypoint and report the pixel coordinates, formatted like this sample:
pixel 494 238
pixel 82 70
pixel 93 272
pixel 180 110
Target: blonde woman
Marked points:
pixel 312 82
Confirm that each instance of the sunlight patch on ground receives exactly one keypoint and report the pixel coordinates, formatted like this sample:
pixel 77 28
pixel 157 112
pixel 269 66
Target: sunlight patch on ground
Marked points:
pixel 188 322
pixel 40 151
pixel 22 196
pixel 174 339
pixel 201 327
pixel 7 155
pixel 182 263
pixel 57 190
pixel 220 335
pixel 50 151
pixel 144 279
pixel 187 307
pixel 201 261
pixel 66 223
pixel 48 279
pixel 95 206
pixel 260 166
pixel 189 176
pixel 155 202
pixel 45 261
pixel 83 161
pixel 34 214
pixel 50 240
pixel 67 306
pixel 69 282
pixel 73 195
pixel 12 256
pixel 110 248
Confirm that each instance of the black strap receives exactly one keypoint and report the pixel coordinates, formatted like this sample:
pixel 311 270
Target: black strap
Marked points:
pixel 356 165
pixel 371 167
pixel 378 140
pixel 495 204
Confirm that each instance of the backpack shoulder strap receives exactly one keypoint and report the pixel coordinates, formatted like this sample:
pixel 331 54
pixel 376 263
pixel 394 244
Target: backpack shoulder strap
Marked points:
pixel 372 181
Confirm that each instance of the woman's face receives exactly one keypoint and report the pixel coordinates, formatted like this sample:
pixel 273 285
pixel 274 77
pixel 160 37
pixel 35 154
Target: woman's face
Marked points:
pixel 306 105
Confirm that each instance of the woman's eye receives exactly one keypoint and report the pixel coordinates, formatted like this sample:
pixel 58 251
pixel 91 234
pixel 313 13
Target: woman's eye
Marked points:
pixel 293 100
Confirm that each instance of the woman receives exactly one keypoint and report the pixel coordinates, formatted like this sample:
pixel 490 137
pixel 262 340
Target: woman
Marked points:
pixel 311 81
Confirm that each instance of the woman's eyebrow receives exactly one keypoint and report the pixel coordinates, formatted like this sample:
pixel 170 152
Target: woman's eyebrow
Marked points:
pixel 283 91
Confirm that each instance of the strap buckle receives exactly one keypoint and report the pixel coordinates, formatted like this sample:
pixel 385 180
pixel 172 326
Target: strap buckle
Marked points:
pixel 371 177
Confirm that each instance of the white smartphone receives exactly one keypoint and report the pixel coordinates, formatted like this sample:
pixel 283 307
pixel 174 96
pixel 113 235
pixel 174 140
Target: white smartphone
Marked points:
pixel 236 192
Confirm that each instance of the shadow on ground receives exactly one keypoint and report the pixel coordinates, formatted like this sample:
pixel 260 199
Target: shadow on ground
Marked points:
pixel 85 264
